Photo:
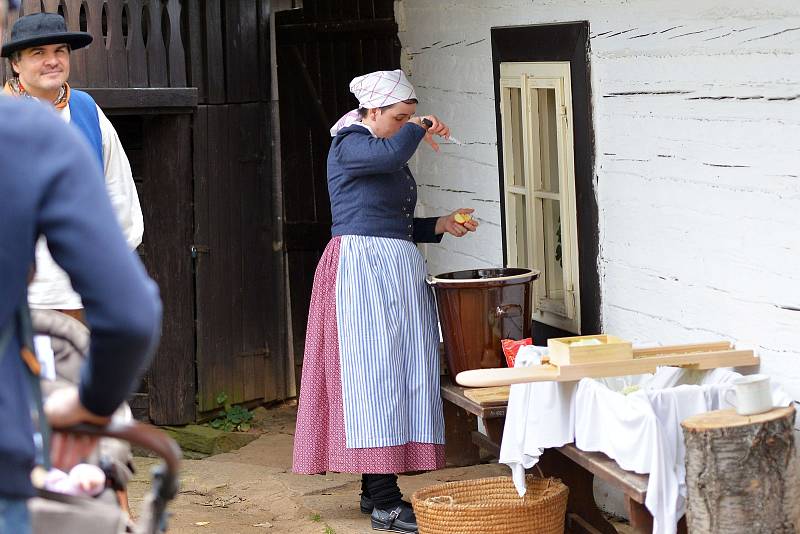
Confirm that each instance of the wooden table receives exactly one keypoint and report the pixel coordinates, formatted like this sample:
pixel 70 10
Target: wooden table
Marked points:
pixel 576 468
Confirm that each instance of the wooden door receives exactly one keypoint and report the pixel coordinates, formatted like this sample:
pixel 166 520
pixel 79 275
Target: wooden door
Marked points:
pixel 239 313
pixel 320 48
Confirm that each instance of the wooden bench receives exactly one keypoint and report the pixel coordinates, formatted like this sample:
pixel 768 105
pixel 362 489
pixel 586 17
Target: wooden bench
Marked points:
pixel 576 468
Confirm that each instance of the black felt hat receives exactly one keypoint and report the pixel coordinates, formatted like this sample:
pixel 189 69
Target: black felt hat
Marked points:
pixel 43 29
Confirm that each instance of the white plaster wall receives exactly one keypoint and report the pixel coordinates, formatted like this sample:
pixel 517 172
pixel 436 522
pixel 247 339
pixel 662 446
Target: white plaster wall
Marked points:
pixel 696 110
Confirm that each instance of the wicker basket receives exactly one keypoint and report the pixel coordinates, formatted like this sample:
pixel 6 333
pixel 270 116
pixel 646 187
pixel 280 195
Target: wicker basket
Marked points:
pixel 492 506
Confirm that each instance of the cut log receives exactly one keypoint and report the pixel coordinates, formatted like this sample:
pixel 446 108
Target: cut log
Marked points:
pixel 742 473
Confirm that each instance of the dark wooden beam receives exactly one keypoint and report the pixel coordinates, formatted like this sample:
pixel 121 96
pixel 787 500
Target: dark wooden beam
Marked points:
pixel 145 98
pixel 290 34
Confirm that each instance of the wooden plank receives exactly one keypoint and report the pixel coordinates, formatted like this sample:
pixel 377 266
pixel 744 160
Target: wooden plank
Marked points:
pixel 176 55
pixel 241 51
pixel 495 396
pixel 279 376
pixel 117 55
pixel 95 53
pixel 253 299
pixel 137 54
pixel 389 52
pixel 369 48
pixel 327 88
pixel 51 6
pixel 145 98
pixel 203 263
pixel 310 80
pixel 194 49
pixel 568 373
pixel 580 482
pixel 230 204
pixel 459 448
pixel 366 9
pixel 482 441
pixel 683 349
pixel 300 294
pixel 168 164
pixel 455 394
pixel 157 72
pixel 639 517
pixel 209 288
pixel 30 7
pixel 384 9
pixel 214 66
pixel 295 146
pixel 632 484
pixel 140 407
pixel 264 53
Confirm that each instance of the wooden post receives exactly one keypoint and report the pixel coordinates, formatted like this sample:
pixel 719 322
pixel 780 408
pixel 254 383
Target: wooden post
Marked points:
pixel 742 473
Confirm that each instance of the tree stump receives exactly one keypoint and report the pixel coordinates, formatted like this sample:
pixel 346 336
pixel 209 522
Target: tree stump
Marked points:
pixel 742 473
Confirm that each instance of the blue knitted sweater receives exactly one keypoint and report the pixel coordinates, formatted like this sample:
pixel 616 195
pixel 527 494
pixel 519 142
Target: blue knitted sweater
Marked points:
pixel 372 190
pixel 50 184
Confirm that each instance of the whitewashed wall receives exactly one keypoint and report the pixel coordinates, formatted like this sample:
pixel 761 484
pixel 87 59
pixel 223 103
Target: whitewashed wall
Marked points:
pixel 696 109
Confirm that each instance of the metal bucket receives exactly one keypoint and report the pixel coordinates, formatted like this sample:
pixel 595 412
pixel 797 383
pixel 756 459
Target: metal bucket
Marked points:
pixel 477 309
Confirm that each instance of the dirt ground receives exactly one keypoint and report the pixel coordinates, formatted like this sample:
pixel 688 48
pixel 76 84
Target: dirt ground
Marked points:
pixel 252 490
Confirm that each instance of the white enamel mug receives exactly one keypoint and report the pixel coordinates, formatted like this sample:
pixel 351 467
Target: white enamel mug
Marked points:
pixel 752 395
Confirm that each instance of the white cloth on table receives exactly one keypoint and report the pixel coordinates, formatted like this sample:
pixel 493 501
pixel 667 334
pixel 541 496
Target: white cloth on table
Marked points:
pixel 641 430
pixel 51 287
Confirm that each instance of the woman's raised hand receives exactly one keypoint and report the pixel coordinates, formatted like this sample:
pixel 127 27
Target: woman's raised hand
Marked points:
pixel 457 223
pixel 437 127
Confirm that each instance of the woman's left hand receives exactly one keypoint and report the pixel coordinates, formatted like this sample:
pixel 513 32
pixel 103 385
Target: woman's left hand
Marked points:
pixel 449 224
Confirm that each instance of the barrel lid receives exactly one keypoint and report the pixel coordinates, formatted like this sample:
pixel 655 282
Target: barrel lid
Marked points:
pixel 490 275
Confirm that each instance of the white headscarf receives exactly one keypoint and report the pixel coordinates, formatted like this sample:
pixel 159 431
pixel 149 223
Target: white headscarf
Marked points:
pixel 376 90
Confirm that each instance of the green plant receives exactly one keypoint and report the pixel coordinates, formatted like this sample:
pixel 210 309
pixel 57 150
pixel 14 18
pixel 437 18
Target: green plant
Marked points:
pixel 329 530
pixel 316 518
pixel 231 418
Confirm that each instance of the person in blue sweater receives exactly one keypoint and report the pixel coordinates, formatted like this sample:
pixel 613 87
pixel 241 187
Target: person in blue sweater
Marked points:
pixel 369 395
pixel 51 185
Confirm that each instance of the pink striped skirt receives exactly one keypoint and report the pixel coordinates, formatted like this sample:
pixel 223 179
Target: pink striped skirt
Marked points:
pixel 320 439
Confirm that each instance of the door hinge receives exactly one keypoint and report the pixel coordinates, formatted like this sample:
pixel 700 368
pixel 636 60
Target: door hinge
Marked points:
pixel 199 249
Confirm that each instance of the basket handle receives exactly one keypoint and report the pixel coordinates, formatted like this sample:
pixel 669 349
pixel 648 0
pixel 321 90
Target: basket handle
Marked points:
pixel 541 474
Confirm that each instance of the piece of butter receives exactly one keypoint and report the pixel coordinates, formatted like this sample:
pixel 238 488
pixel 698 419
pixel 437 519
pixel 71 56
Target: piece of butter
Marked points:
pixel 461 218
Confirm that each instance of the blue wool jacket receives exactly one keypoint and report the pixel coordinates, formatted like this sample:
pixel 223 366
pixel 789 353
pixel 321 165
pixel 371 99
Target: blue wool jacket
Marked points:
pixel 372 191
pixel 50 184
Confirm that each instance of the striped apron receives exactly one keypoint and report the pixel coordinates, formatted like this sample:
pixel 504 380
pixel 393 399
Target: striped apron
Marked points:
pixel 388 344
pixel 369 395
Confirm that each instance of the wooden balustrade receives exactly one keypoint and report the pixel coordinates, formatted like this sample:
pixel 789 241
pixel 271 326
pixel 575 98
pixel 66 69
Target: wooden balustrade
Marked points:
pixel 137 43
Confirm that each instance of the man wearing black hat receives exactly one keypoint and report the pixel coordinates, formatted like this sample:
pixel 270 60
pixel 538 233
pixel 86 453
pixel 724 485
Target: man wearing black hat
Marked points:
pixel 50 184
pixel 39 53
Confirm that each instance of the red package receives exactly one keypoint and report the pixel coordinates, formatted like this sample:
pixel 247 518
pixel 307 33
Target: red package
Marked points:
pixel 511 347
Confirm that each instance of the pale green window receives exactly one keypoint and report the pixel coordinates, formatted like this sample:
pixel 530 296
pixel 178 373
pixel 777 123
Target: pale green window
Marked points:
pixel 539 176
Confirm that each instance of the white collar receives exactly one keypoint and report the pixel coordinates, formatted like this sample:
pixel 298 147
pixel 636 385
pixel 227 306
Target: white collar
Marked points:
pixel 367 127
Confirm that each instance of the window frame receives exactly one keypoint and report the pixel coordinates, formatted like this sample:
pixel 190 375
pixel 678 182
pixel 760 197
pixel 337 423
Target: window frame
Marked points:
pixel 561 41
pixel 529 78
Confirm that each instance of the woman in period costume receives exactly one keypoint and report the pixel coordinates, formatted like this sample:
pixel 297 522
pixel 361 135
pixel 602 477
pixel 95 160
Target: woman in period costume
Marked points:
pixel 369 397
